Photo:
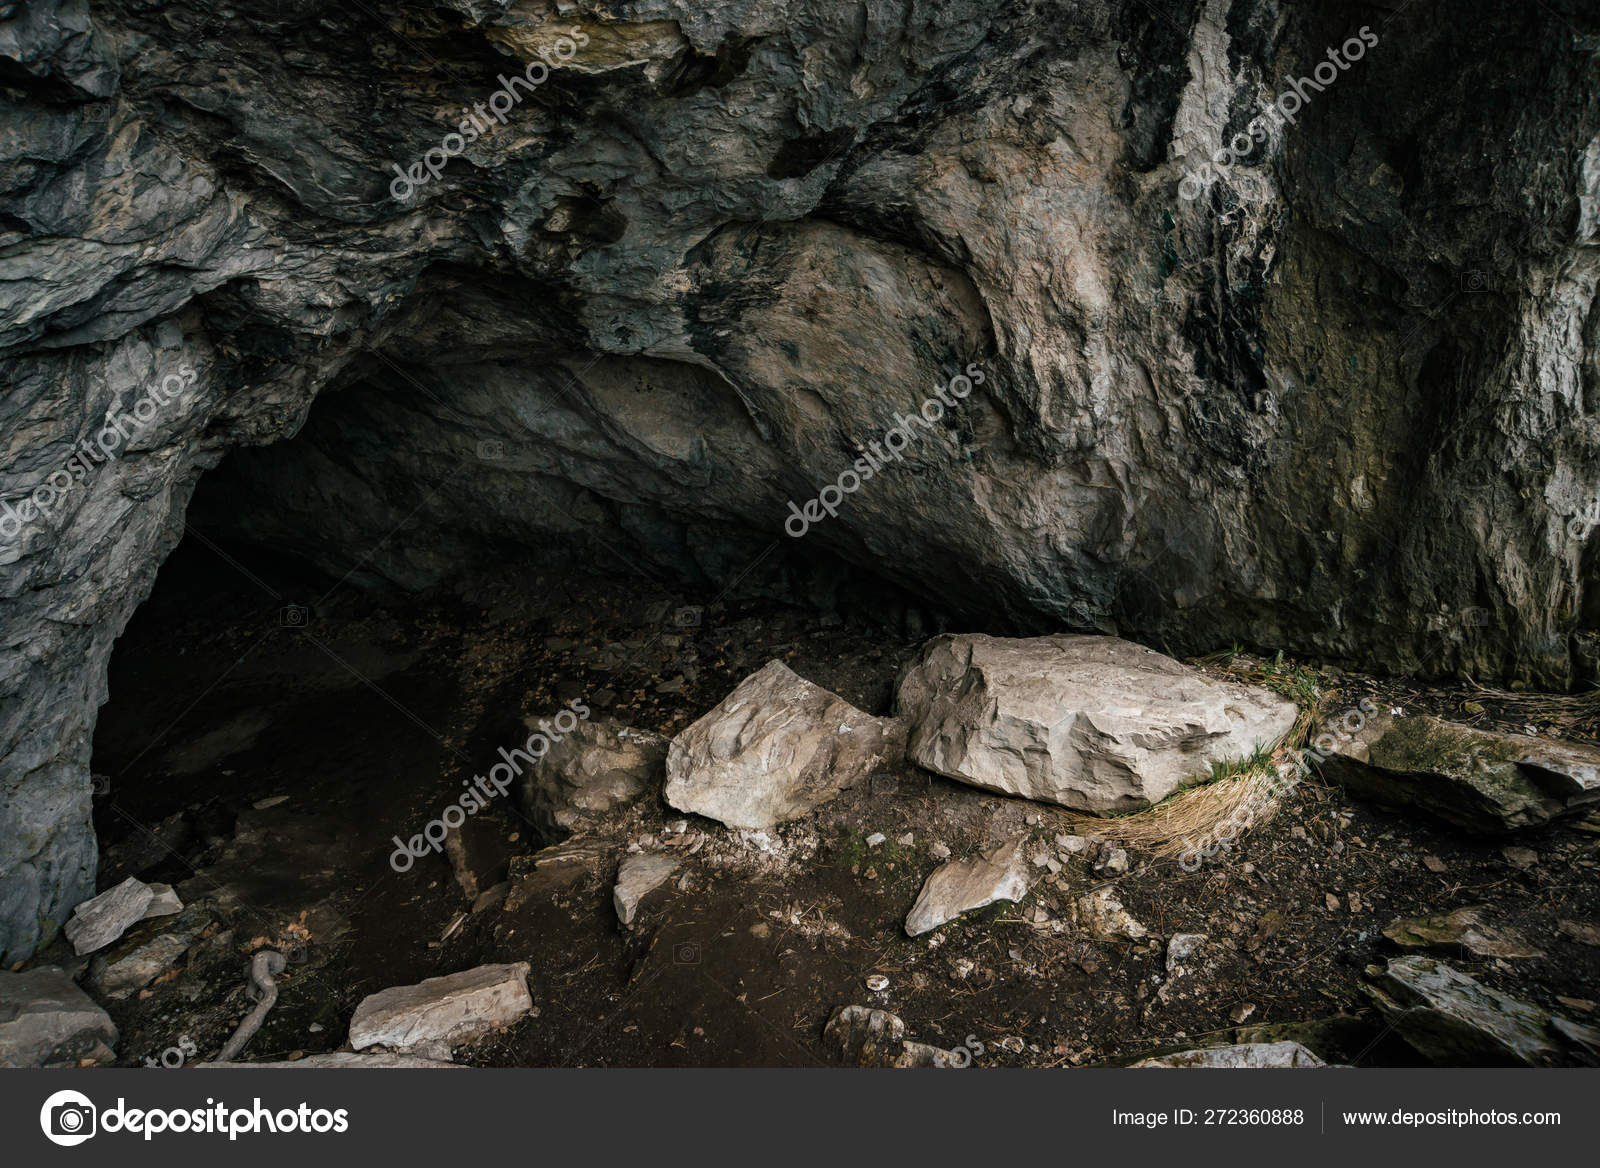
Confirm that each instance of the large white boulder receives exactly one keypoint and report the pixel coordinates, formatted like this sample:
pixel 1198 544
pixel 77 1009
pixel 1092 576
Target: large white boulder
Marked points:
pixel 1093 723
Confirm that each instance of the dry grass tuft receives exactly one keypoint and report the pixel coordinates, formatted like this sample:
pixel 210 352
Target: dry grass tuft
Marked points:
pixel 1168 829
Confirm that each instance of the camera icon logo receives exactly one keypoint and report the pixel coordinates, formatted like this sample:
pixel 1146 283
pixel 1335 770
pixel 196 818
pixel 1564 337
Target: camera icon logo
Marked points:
pixel 1474 281
pixel 294 616
pixel 68 1118
pixel 686 953
pixel 492 450
pixel 688 618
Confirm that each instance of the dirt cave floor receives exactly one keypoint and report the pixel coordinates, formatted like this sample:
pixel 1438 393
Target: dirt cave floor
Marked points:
pixel 261 756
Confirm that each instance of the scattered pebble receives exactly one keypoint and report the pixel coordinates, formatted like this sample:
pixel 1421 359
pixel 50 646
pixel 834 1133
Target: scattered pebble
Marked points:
pixel 877 983
pixel 875 839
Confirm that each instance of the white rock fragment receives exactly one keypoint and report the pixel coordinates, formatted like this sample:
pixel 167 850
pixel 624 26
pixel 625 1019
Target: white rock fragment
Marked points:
pixel 98 922
pixel 963 885
pixel 442 1011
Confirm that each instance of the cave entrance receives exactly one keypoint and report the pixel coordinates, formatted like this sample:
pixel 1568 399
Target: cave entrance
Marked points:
pixel 286 717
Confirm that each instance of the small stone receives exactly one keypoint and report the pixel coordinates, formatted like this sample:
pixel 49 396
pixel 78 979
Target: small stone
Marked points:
pixel 1113 862
pixel 266 804
pixel 875 839
pixel 1181 947
pixel 1242 1012
pixel 877 983
pixel 637 878
pixel 1582 1005
pixel 939 852
pixel 1520 857
pixel 1433 864
pixel 907 840
pixel 1072 844
pixel 1331 901
pixel 1101 915
pixel 1355 902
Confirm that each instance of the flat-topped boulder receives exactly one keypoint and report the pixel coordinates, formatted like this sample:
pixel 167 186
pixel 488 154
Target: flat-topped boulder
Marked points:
pixel 772 750
pixel 1482 781
pixel 1093 723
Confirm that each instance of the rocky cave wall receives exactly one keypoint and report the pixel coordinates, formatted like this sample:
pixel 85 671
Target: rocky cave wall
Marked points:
pixel 1343 403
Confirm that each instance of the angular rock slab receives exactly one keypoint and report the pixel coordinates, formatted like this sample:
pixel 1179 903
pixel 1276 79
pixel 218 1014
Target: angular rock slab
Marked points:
pixel 598 766
pixel 119 975
pixel 1448 1017
pixel 45 1018
pixel 442 1011
pixel 101 920
pixel 1245 1056
pixel 1463 930
pixel 774 749
pixel 1097 724
pixel 1479 780
pixel 963 885
pixel 637 878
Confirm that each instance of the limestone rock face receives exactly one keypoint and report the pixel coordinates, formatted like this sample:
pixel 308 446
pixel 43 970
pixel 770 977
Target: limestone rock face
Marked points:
pixel 1484 781
pixel 1093 723
pixel 774 749
pixel 730 244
